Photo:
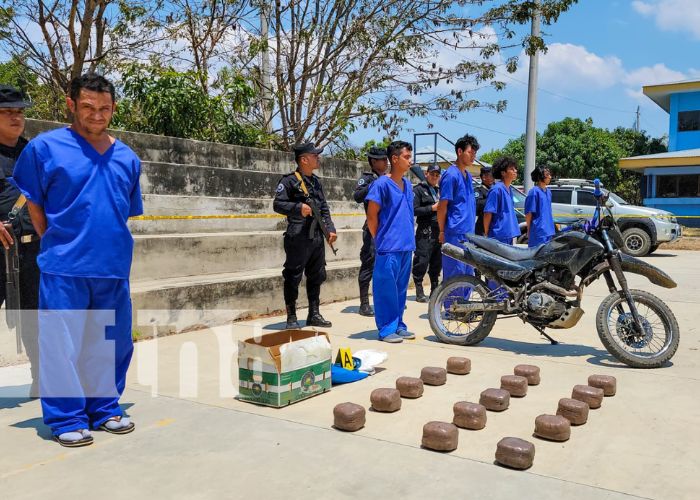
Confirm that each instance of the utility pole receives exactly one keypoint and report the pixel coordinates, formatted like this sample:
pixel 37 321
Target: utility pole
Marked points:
pixel 531 127
pixel 636 123
pixel 266 88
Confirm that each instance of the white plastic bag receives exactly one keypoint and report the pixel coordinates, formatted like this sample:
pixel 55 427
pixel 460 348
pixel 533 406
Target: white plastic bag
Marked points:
pixel 369 359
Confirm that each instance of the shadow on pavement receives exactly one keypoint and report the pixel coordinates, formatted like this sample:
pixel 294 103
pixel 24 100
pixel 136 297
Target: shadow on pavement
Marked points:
pixel 42 430
pixel 595 356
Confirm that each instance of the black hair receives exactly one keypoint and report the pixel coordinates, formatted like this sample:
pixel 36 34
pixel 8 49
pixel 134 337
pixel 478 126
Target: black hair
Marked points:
pixel 467 140
pixel 502 164
pixel 537 174
pixel 395 148
pixel 90 81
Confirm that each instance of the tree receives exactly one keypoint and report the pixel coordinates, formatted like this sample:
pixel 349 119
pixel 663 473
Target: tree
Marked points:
pixel 341 64
pixel 204 25
pixel 573 148
pixel 162 100
pixel 75 35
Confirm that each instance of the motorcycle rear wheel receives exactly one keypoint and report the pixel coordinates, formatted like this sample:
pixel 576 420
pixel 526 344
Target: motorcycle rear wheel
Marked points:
pixel 660 337
pixel 469 329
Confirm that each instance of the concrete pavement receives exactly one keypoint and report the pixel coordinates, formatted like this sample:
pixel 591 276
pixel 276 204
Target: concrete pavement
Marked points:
pixel 195 440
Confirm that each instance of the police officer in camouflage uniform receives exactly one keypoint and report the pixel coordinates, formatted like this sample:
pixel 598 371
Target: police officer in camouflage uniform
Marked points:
pixel 378 163
pixel 12 106
pixel 304 242
pixel 481 192
pixel 427 256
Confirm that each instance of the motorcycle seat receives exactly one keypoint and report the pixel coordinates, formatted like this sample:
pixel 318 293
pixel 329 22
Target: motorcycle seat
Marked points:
pixel 509 252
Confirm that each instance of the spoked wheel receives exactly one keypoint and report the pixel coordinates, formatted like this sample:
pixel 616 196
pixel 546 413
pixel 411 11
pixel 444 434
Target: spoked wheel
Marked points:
pixel 651 347
pixel 449 314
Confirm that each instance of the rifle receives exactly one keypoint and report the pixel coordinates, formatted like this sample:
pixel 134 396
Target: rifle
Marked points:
pixel 318 220
pixel 13 315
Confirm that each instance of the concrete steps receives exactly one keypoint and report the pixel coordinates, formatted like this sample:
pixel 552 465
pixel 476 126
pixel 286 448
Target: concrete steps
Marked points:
pixel 255 214
pixel 159 256
pixel 185 303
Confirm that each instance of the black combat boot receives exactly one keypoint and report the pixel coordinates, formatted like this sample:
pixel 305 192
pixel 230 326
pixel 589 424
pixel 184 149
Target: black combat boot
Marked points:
pixel 420 294
pixel 315 318
pixel 365 308
pixel 433 286
pixel 292 323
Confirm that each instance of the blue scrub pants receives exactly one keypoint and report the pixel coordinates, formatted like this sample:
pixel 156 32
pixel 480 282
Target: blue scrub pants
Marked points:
pixel 452 267
pixel 389 284
pixel 85 348
pixel 537 240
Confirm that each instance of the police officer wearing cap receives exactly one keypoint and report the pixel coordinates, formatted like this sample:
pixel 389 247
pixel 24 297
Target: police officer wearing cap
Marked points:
pixel 427 256
pixel 481 192
pixel 304 243
pixel 13 206
pixel 378 163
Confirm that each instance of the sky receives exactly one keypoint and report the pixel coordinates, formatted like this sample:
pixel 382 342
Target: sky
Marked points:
pixel 601 53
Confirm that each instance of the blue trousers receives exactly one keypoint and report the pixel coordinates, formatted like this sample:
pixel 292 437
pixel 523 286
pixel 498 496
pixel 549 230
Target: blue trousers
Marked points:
pixel 389 284
pixel 450 266
pixel 85 348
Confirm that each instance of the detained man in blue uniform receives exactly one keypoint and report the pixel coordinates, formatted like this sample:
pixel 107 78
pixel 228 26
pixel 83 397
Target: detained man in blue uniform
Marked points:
pixel 82 185
pixel 538 208
pixel 500 221
pixel 456 211
pixel 390 222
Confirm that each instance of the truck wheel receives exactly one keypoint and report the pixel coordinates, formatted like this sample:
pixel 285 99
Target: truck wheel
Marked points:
pixel 637 242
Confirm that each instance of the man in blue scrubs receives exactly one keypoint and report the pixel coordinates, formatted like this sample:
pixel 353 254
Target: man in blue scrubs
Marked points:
pixel 82 185
pixel 457 208
pixel 538 208
pixel 390 222
pixel 500 221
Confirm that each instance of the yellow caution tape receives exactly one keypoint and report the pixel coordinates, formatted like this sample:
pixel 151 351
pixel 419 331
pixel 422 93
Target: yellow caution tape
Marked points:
pixel 227 216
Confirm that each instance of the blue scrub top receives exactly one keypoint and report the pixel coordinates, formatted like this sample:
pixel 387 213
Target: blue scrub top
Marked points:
pixel 461 207
pixel 504 222
pixel 395 231
pixel 539 204
pixel 87 199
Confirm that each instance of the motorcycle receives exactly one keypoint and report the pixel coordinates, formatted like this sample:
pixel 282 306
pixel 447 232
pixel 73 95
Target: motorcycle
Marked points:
pixel 539 286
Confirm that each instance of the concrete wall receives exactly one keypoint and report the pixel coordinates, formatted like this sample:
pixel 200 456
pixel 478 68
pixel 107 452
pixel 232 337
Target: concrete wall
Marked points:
pixel 678 141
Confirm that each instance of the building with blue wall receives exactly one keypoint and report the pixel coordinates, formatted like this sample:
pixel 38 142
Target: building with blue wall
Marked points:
pixel 672 179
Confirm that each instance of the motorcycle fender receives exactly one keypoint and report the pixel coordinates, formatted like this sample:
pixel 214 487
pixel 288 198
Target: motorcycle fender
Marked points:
pixel 654 274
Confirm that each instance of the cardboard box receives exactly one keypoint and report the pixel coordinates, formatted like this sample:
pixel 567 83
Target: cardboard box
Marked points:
pixel 281 368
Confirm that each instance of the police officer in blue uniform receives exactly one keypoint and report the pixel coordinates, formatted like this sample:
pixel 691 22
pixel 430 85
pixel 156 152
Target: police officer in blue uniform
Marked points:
pixel 12 106
pixel 304 242
pixel 427 256
pixel 378 163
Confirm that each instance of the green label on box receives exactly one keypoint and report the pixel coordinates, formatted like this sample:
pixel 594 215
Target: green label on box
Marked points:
pixel 282 389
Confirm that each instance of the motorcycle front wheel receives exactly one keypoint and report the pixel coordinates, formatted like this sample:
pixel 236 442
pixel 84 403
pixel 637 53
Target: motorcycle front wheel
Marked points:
pixel 654 346
pixel 453 326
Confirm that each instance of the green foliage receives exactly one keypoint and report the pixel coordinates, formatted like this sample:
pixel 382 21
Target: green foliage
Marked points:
pixel 47 104
pixel 573 148
pixel 161 100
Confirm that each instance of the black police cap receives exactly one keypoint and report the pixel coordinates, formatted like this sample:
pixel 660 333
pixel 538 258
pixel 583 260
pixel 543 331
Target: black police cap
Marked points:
pixel 306 148
pixel 376 153
pixel 433 168
pixel 11 97
pixel 486 170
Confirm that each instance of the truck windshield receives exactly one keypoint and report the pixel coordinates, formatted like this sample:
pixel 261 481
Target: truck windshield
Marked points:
pixel 617 199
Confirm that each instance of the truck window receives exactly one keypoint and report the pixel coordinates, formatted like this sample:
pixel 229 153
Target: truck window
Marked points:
pixel 561 196
pixel 585 198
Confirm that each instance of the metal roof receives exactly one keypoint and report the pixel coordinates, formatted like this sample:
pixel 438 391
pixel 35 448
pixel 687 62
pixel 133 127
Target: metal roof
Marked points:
pixel 661 93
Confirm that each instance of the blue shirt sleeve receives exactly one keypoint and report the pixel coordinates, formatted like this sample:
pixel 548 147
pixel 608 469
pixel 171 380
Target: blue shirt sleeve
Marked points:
pixel 447 187
pixel 376 192
pixel 493 201
pixel 28 175
pixel 135 201
pixel 531 203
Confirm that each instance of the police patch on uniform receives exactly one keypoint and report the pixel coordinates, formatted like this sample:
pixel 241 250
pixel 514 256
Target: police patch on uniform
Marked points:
pixel 280 187
pixel 361 182
pixel 476 194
